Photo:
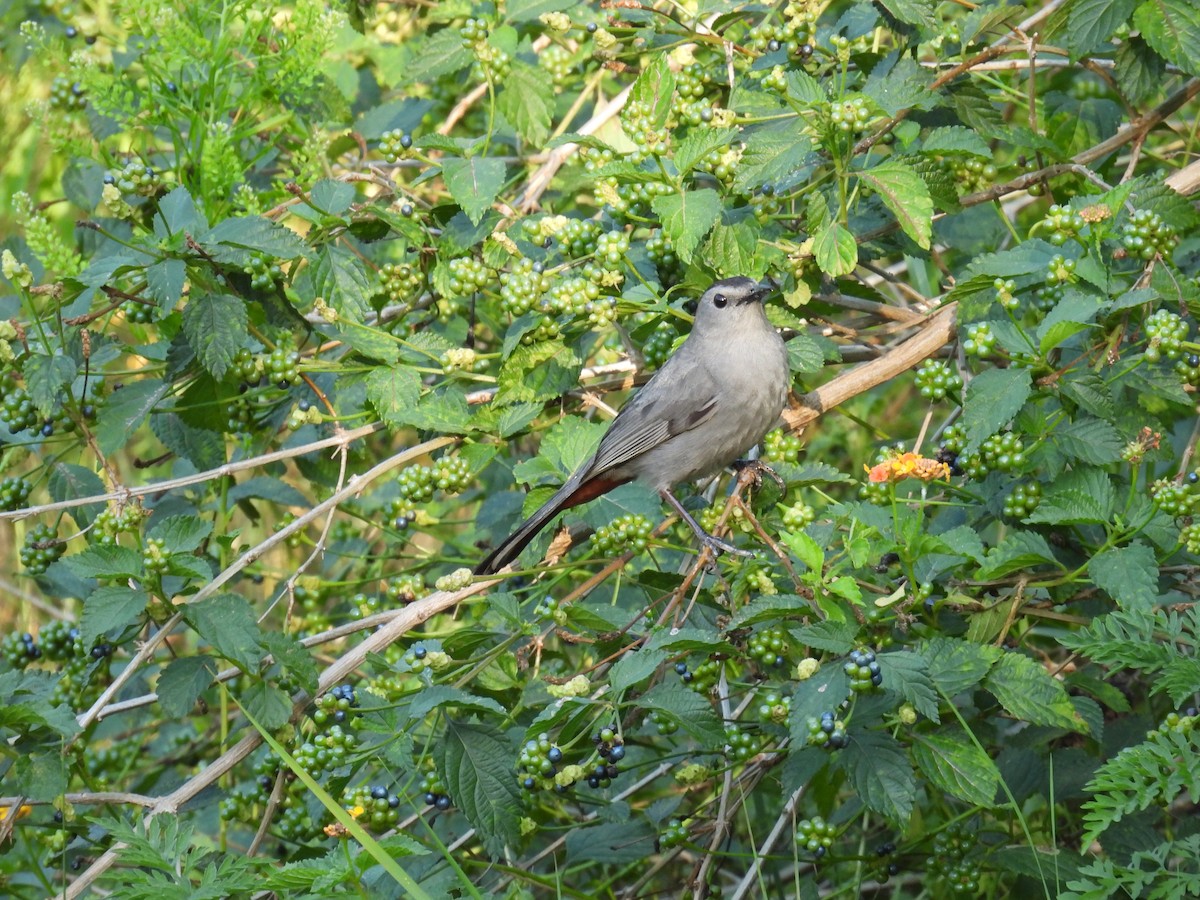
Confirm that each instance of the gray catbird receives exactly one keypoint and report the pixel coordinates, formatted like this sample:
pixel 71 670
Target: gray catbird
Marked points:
pixel 716 397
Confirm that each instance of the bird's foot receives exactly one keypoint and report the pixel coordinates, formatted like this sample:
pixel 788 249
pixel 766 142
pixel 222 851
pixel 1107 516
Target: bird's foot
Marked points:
pixel 754 469
pixel 716 545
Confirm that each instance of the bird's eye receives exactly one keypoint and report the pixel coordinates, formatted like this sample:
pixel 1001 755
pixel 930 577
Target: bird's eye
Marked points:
pixel 720 301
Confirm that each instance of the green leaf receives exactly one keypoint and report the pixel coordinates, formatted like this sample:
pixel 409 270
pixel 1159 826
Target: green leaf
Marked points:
pixel 906 673
pixel 1019 550
pixel 110 609
pixel 474 183
pixel 1082 496
pixel 293 658
pixel 687 217
pixel 202 448
pixel 686 708
pixel 333 197
pixel 805 549
pixel 834 637
pixel 822 692
pixel 907 196
pixel 252 233
pixel 1092 22
pixel 270 705
pixel 341 279
pixel 439 696
pixel 164 282
pixel 834 247
pixel 1127 574
pixel 880 774
pixel 536 372
pixel 1029 692
pixel 394 391
pixel 698 144
pixel 1172 28
pixel 181 534
pixel 71 482
pixel 45 379
pixel 527 101
pixel 476 764
pixel 1092 441
pixel 772 154
pixel 105 562
pixel 263 487
pixel 956 766
pixel 528 10
pixel 655 88
pixel 956 139
pixel 912 12
pixel 227 621
pixel 177 214
pixel 993 397
pixel 634 668
pixel 899 83
pixel 215 326
pixel 732 248
pixel 125 411
pixel 956 665
pixel 182 682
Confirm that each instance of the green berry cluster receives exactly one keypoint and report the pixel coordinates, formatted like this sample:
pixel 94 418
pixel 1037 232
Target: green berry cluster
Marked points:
pixel 815 835
pixel 155 559
pixel 774 707
pixel 690 102
pixel 610 748
pixel 13 493
pixel 66 94
pixel 936 380
pixel 970 173
pixel 1022 500
pixel 1146 235
pixel 574 297
pixel 741 744
pixel 468 275
pixel 335 707
pixel 638 124
pixel 281 367
pixel 42 547
pixel 1003 452
pixel 522 288
pixel 798 516
pixel 770 646
pixel 1060 271
pixel 781 445
pixel 634 198
pixel 263 270
pixel 950 864
pixel 19 649
pixel 112 522
pixel 1175 498
pixel 538 763
pixel 404 589
pixel 394 145
pixel 1190 535
pixel 18 412
pixel 373 806
pixel 1165 332
pixel 827 731
pixel 980 340
pixel 1188 369
pixel 578 238
pixel 1183 723
pixel 135 178
pixel 1061 224
pixel 557 60
pixel 400 282
pixel 326 751
pixel 864 671
pixel 674 833
pixel 434 789
pixel 657 347
pixel 703 678
pixel 628 532
pixel 663 724
pixel 1006 293
pixel 850 115
pixel 611 247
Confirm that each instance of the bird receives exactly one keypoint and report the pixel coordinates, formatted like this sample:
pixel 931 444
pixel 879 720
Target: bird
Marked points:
pixel 712 400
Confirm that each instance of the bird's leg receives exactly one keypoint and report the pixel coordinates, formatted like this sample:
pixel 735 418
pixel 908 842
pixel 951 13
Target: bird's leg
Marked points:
pixel 713 543
pixel 755 469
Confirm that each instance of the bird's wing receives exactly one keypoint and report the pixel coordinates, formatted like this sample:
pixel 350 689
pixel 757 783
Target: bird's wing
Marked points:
pixel 662 409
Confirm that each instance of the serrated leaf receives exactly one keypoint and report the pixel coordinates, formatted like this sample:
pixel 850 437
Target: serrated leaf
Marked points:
pixel 698 144
pixel 215 326
pixel 164 282
pixel 771 155
pixel 687 217
pixel 333 197
pixel 71 482
pixel 834 637
pixel 270 705
pixel 687 708
pixel 341 279
pixel 476 766
pixel 438 696
pixel 474 183
pixel 125 411
pixel 899 83
pixel 732 248
pixel 228 623
pixel 394 391
pixel 293 658
pixel 110 609
pixel 956 139
pixel 264 487
pixel 536 372
pixel 1030 693
pixel 528 10
pixel 907 196
pixel 253 233
pixel 955 665
pixel 992 398
pixel 912 12
pixel 1172 28
pixel 956 766
pixel 181 534
pixel 182 682
pixel 1019 550
pixel 822 692
pixel 45 378
pixel 1080 497
pixel 906 673
pixel 527 101
pixel 202 448
pixel 880 774
pixel 1127 574
pixel 1092 22
pixel 105 562
pixel 634 668
pixel 654 88
pixel 835 249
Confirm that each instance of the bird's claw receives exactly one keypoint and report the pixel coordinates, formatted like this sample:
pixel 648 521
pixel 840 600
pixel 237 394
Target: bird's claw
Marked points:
pixel 717 545
pixel 755 469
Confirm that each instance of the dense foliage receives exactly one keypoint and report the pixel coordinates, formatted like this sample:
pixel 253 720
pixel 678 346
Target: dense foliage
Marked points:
pixel 303 306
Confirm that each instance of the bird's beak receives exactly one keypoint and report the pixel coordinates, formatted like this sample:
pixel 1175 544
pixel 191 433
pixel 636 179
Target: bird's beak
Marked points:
pixel 763 289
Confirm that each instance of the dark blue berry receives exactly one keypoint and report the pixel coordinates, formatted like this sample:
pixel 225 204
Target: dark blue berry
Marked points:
pixel 406 209
pixel 406 142
pixel 617 753
pixel 530 783
pixel 72 31
pixel 430 798
pixel 593 781
pixel 420 652
pixel 681 668
pixel 442 802
pixel 773 45
pixel 172 87
pixel 555 755
pixel 591 27
pixel 378 792
pixel 393 801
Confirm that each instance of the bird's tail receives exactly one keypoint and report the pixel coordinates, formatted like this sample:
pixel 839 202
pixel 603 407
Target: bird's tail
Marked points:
pixel 578 489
